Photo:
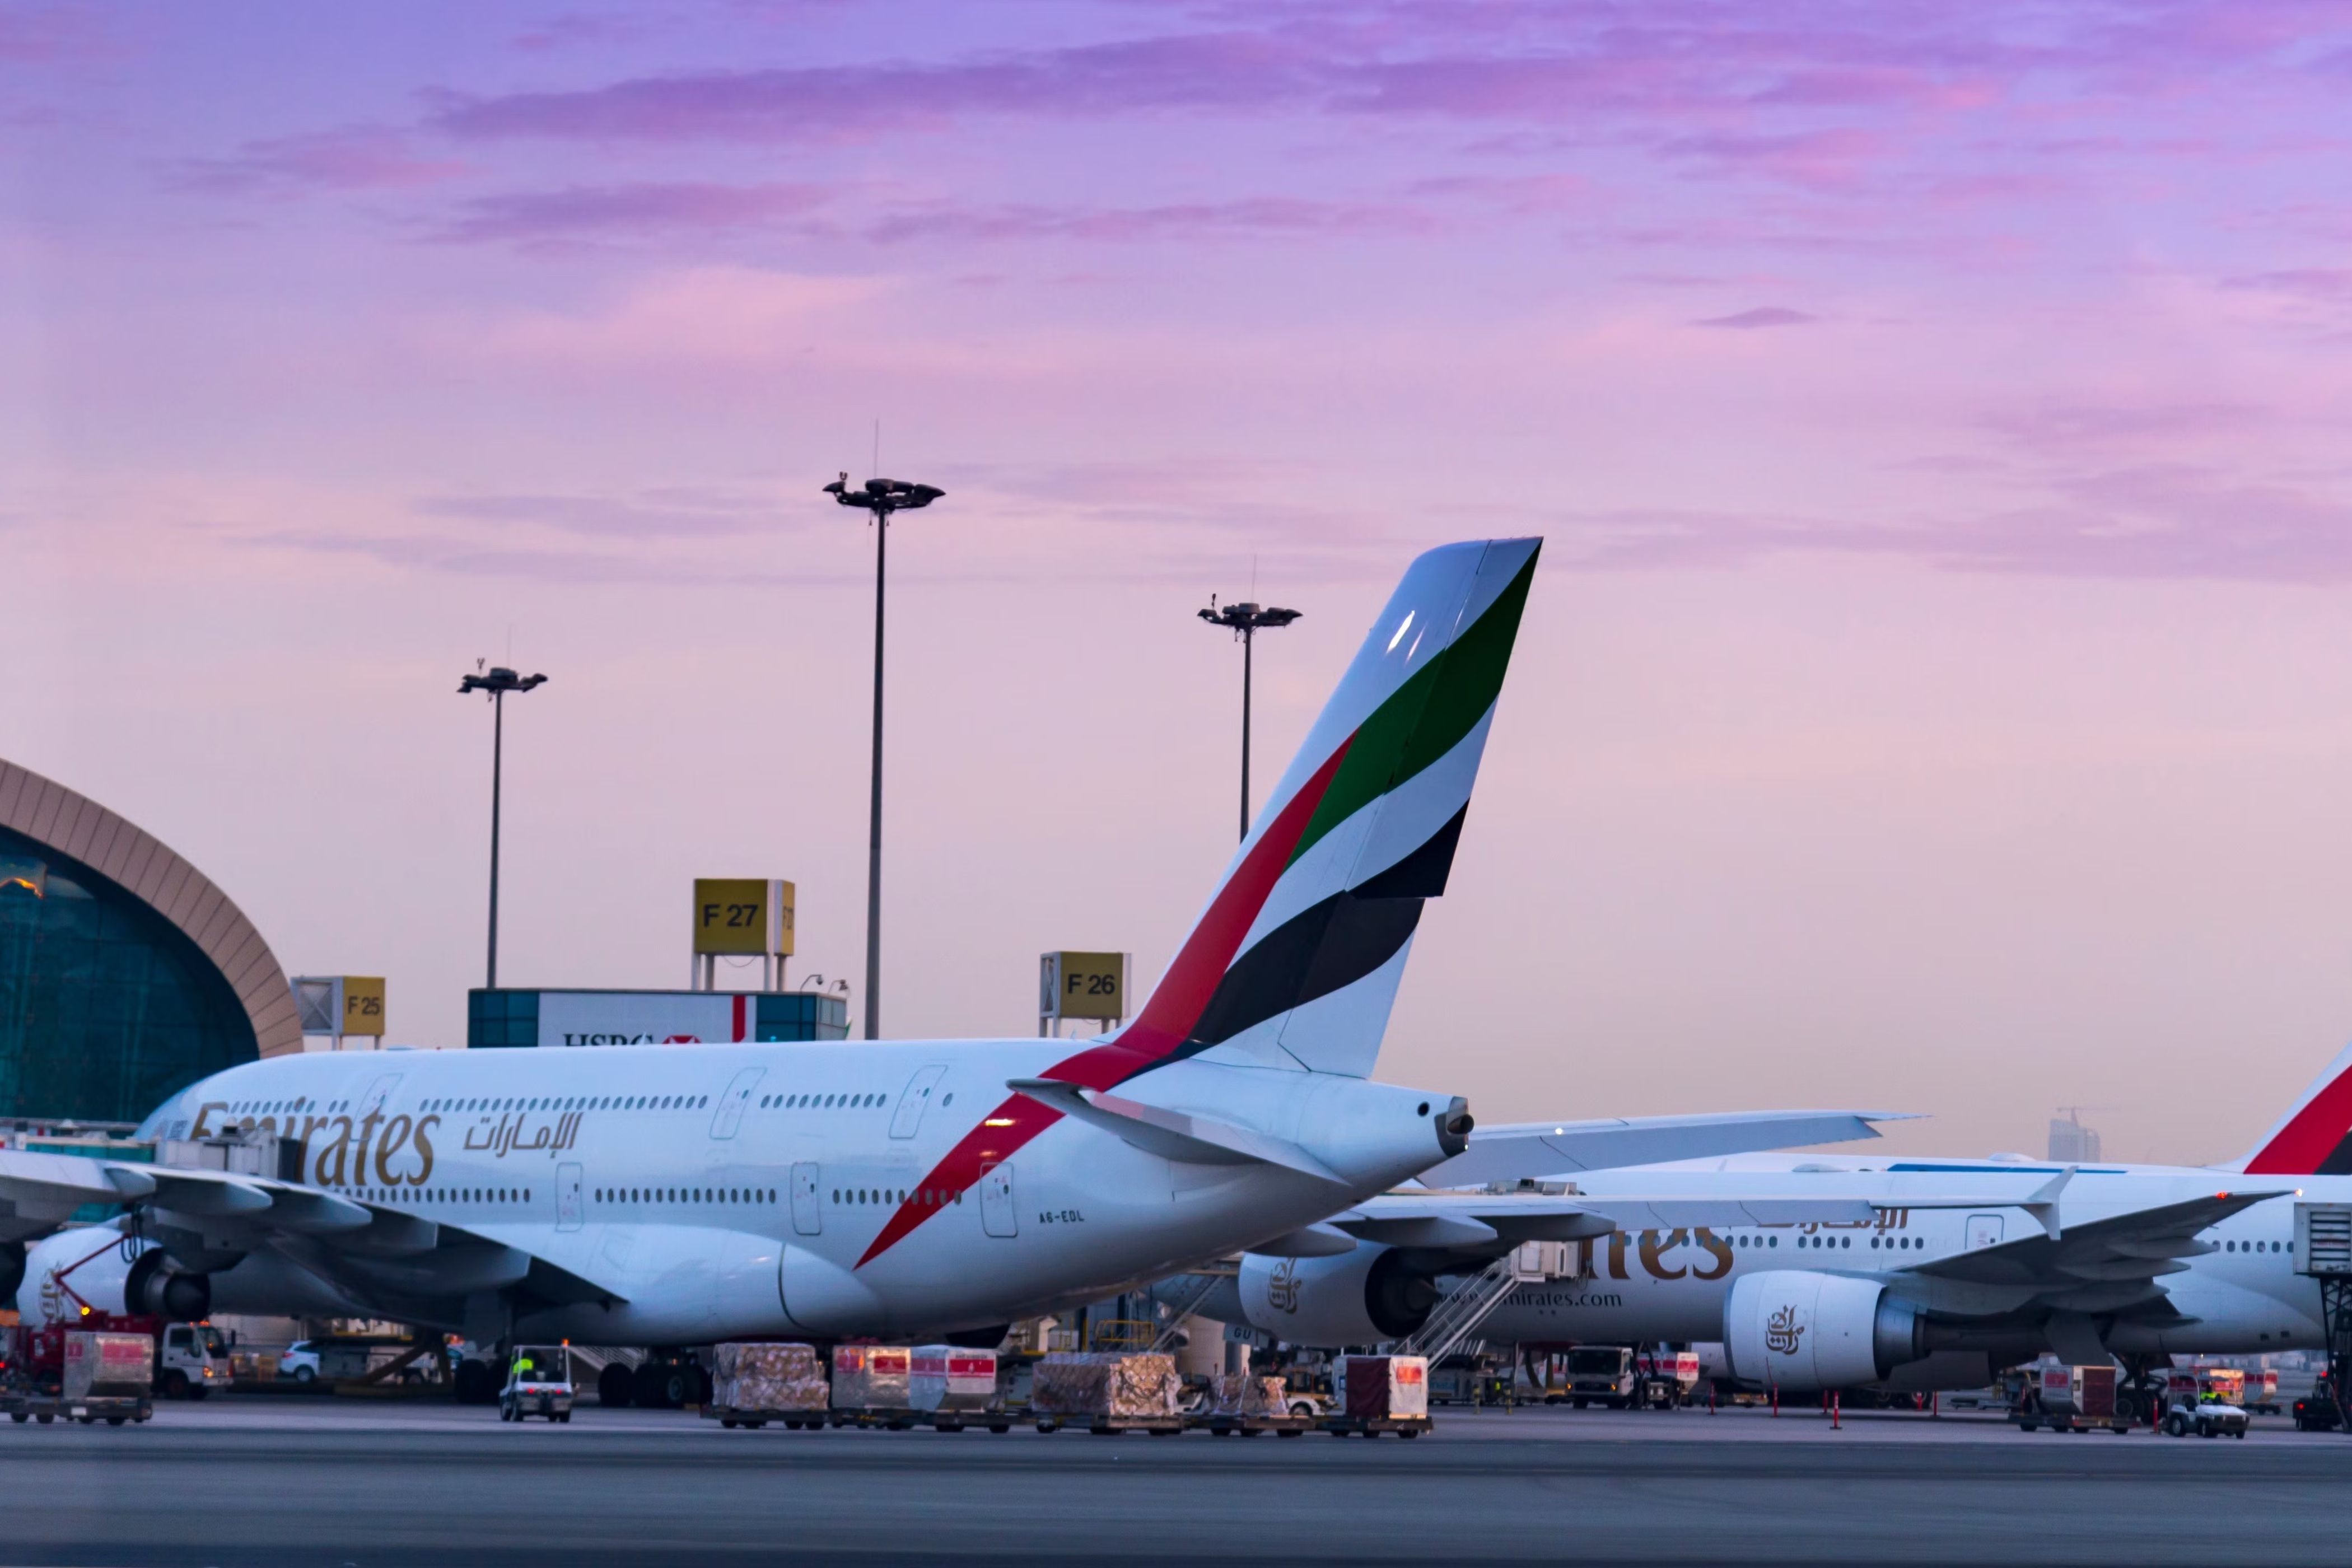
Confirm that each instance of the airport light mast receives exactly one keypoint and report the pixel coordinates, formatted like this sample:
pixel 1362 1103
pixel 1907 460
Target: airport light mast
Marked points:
pixel 880 497
pixel 1246 620
pixel 496 682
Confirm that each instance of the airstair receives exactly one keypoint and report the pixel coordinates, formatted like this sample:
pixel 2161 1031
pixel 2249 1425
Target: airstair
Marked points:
pixel 1186 1301
pixel 1458 1314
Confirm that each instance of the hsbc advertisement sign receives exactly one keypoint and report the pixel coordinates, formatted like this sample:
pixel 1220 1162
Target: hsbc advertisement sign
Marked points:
pixel 644 1017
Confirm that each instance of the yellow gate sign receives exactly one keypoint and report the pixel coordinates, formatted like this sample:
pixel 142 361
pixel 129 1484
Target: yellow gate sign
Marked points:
pixel 1082 985
pixel 363 1005
pixel 742 915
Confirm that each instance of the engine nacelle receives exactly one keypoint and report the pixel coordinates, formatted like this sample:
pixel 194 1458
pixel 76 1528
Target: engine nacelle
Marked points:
pixel 1799 1329
pixel 1358 1298
pixel 96 1266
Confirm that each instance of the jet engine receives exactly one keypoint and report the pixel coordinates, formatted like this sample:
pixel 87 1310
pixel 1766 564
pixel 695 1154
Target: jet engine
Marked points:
pixel 1799 1329
pixel 1358 1297
pixel 97 1268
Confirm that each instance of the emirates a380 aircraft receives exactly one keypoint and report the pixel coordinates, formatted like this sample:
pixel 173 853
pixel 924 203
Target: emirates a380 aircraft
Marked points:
pixel 682 1194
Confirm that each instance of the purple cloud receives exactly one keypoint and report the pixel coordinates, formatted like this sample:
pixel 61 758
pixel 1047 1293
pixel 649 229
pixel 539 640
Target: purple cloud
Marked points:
pixel 358 159
pixel 1762 316
pixel 2329 283
pixel 801 104
pixel 1243 218
pixel 656 515
pixel 581 213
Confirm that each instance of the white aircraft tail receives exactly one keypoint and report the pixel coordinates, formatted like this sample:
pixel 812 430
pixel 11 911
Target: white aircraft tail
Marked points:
pixel 2315 1137
pixel 1295 961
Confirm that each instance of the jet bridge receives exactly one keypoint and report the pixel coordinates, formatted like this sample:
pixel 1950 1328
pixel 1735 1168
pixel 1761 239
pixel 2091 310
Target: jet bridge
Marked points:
pixel 2323 1249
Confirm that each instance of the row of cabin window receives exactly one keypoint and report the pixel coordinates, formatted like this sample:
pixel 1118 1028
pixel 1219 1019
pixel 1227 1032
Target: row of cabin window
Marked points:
pixel 269 1107
pixel 442 1195
pixel 924 1197
pixel 686 1194
pixel 2257 1246
pixel 572 1102
pixel 1905 1242
pixel 830 1101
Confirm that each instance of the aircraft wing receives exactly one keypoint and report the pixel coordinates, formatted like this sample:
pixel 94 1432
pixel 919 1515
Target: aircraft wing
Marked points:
pixel 1493 1220
pixel 379 1253
pixel 1528 1150
pixel 2129 1249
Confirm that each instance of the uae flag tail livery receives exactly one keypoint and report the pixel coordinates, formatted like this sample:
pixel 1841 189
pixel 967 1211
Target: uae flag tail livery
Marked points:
pixel 1296 960
pixel 2315 1137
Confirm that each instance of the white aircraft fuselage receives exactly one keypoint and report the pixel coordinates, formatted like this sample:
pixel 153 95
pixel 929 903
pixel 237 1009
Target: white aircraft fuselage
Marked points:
pixel 821 1189
pixel 2244 1296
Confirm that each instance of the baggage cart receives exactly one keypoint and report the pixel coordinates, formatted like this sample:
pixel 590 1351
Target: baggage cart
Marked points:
pixel 1106 1392
pixel 2072 1399
pixel 953 1387
pixel 1248 1405
pixel 753 1384
pixel 870 1386
pixel 1381 1393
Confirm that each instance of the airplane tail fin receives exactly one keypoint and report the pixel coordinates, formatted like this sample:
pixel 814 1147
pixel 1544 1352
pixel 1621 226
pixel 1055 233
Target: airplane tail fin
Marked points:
pixel 1295 961
pixel 2315 1137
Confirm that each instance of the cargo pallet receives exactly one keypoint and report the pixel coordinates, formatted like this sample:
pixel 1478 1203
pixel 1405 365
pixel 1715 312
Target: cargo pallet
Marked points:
pixel 730 1417
pixel 1250 1425
pixel 114 1410
pixel 1372 1427
pixel 1112 1426
pixel 2034 1422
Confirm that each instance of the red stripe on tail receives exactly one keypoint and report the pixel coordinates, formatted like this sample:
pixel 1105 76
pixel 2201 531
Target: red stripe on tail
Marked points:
pixel 1165 1022
pixel 2310 1137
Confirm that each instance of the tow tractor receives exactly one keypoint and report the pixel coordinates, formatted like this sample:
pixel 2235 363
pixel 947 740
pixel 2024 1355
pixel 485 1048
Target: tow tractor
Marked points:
pixel 539 1382
pixel 2192 1404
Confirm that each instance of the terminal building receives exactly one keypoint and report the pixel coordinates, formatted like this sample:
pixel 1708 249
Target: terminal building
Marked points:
pixel 125 973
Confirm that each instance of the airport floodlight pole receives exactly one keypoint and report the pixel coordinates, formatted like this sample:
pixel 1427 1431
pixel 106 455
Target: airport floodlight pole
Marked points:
pixel 1244 620
pixel 881 498
pixel 496 682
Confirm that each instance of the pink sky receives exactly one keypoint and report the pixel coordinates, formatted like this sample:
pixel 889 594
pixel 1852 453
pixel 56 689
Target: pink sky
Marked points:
pixel 1939 694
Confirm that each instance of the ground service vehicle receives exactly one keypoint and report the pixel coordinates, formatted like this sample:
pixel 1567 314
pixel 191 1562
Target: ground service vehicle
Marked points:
pixel 99 1377
pixel 1603 1374
pixel 191 1361
pixel 539 1382
pixel 2318 1411
pixel 2190 1406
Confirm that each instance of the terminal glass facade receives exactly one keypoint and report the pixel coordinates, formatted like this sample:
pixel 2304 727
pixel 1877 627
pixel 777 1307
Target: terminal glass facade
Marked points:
pixel 106 1007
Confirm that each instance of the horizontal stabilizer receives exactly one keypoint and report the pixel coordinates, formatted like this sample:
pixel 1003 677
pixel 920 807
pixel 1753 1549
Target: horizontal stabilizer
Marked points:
pixel 1534 1149
pixel 1171 1135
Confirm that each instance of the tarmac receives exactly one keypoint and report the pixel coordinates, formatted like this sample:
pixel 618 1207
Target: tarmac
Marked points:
pixel 357 1484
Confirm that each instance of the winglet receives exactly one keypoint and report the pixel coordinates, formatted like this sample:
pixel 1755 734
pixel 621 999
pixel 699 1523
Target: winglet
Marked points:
pixel 2043 1204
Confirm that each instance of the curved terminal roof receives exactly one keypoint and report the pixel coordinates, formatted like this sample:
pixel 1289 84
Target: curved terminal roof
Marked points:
pixel 75 825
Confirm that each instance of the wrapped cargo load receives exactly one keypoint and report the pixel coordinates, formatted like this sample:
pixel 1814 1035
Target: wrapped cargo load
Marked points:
pixel 870 1377
pixel 108 1366
pixel 1070 1382
pixel 1245 1394
pixel 768 1377
pixel 1387 1387
pixel 1143 1384
pixel 951 1378
pixel 1109 1383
